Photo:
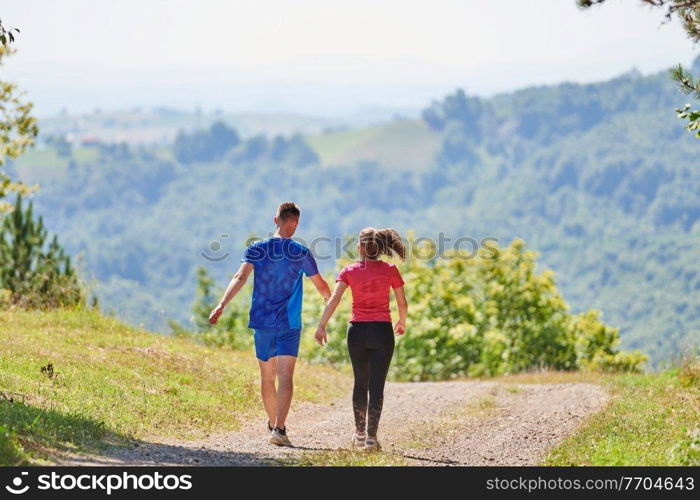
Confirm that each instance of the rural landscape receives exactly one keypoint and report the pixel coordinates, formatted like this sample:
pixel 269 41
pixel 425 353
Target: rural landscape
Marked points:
pixel 552 280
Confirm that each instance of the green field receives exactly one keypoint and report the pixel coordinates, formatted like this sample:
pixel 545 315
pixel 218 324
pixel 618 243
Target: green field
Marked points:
pixel 404 144
pixel 111 383
pixel 44 164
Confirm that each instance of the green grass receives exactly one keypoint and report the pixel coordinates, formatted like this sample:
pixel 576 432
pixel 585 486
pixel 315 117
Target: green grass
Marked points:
pixel 405 144
pixel 112 383
pixel 346 458
pixel 648 418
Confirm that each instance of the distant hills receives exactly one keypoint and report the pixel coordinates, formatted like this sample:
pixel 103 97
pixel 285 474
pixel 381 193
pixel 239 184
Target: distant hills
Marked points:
pixel 601 179
pixel 160 125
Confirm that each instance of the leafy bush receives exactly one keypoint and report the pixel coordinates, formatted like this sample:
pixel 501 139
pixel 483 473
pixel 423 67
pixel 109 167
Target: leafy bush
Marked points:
pixel 486 314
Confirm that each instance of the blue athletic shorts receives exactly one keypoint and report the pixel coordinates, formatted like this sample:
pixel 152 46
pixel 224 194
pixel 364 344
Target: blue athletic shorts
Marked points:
pixel 275 342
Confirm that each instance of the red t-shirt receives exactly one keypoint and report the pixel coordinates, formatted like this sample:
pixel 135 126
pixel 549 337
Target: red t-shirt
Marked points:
pixel 369 281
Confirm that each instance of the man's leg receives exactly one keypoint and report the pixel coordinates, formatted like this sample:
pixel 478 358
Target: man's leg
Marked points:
pixel 285 376
pixel 268 374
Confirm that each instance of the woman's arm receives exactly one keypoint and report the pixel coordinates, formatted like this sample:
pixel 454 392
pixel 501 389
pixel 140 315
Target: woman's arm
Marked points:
pixel 333 302
pixel 234 286
pixel 400 327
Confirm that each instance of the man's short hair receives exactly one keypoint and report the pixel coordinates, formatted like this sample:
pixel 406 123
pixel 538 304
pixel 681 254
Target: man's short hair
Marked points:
pixel 287 210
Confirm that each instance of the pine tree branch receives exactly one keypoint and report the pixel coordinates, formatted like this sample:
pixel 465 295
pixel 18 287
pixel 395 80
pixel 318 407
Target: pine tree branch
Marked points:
pixel 687 84
pixel 690 17
pixel 672 6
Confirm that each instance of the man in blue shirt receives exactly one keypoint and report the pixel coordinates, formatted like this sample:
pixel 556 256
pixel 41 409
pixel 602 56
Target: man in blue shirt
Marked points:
pixel 275 312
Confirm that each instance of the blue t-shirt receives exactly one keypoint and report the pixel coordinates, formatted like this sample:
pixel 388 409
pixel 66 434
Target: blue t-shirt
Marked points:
pixel 279 264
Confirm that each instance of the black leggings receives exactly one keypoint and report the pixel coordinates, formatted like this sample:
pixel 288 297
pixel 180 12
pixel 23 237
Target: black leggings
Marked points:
pixel 371 345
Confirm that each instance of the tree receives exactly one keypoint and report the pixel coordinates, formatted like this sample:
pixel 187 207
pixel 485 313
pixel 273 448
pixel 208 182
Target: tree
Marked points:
pixel 61 145
pixel 221 139
pixel 35 271
pixel 205 145
pixel 688 12
pixel 457 107
pixel 232 328
pixel 691 86
pixel 18 130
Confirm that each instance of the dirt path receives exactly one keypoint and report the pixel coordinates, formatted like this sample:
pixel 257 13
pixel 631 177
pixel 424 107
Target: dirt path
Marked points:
pixel 442 423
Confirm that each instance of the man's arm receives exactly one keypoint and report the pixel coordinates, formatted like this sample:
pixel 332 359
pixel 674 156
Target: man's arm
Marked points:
pixel 232 289
pixel 321 286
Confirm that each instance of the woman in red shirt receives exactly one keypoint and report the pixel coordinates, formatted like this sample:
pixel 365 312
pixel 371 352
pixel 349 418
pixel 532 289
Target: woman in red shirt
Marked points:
pixel 370 335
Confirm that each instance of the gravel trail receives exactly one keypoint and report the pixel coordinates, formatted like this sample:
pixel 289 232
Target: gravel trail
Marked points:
pixel 428 423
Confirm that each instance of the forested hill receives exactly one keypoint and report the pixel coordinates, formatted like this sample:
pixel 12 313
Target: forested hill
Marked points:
pixel 601 179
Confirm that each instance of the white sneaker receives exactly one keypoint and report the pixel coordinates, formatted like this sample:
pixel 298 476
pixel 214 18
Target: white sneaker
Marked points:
pixel 371 444
pixel 358 441
pixel 279 437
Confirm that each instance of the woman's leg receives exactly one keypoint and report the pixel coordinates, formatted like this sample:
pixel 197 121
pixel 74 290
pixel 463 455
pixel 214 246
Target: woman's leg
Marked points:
pixel 381 343
pixel 360 368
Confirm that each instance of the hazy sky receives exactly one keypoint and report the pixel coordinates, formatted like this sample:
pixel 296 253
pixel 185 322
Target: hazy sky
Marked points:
pixel 321 56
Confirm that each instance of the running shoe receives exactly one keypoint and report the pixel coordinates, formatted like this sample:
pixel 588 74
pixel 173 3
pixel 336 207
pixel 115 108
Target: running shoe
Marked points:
pixel 279 437
pixel 358 441
pixel 371 444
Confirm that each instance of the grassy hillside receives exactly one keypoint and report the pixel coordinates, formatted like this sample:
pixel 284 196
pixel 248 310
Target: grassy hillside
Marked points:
pixel 652 419
pixel 383 145
pixel 73 380
pixel 108 382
